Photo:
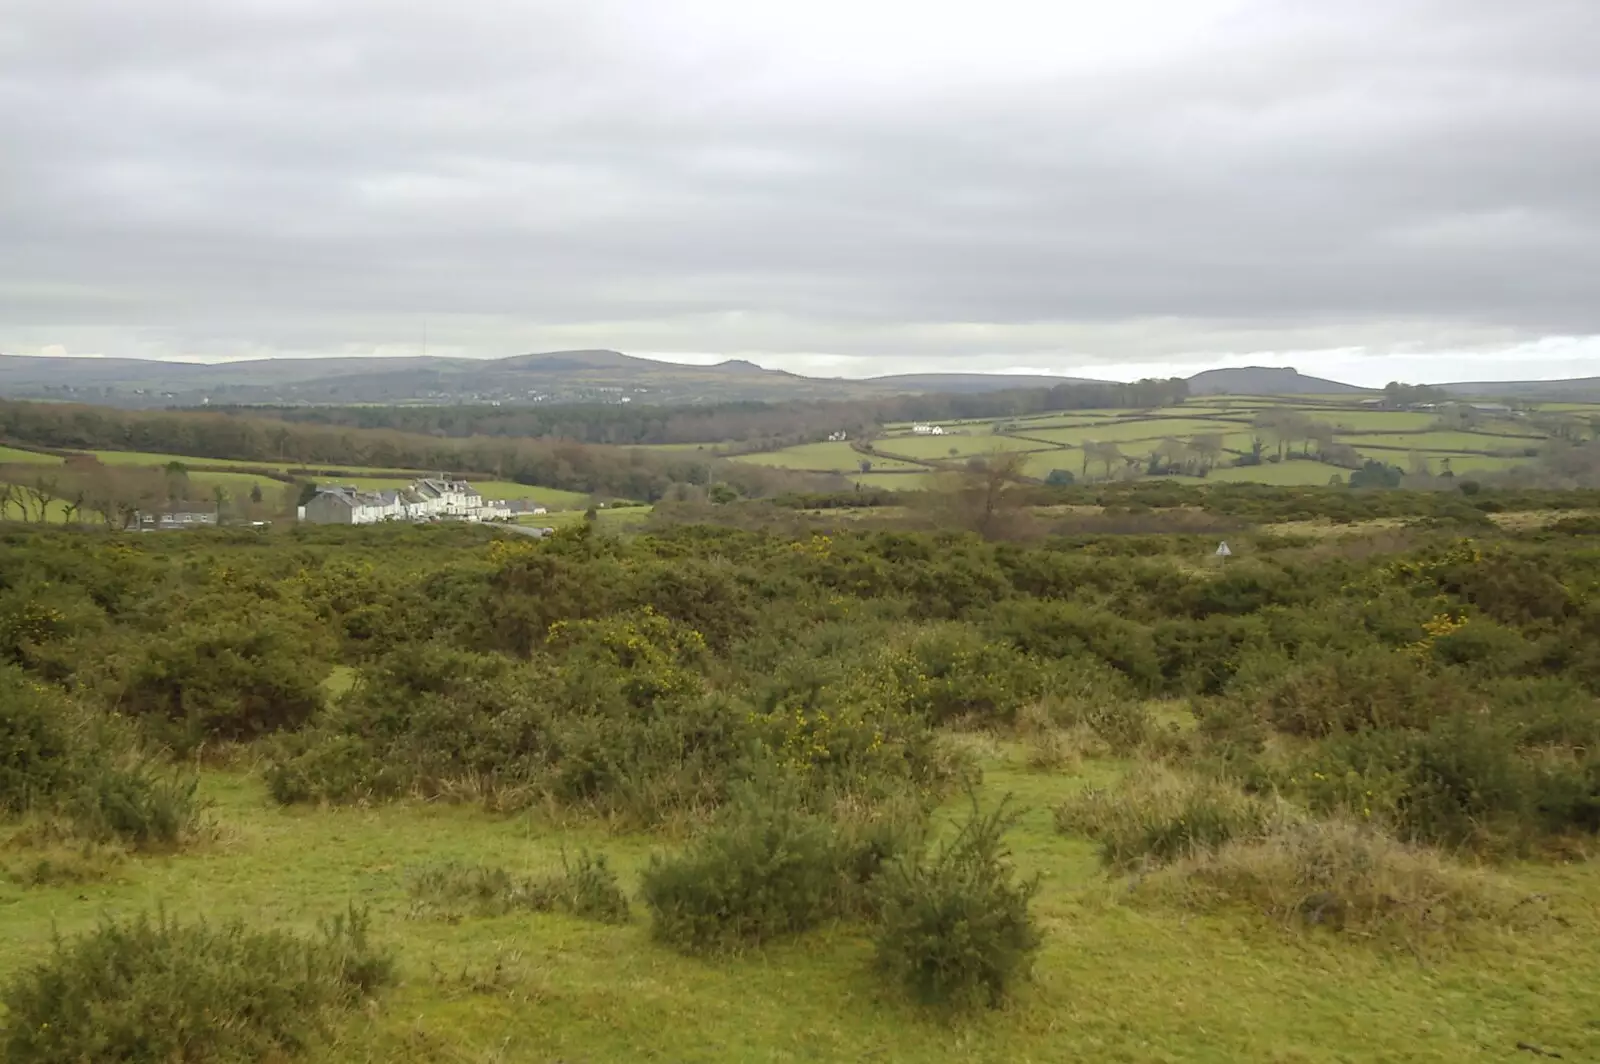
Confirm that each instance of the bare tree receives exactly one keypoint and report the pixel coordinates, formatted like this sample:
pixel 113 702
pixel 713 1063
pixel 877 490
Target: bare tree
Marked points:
pixel 8 494
pixel 984 497
pixel 73 494
pixel 1208 449
pixel 42 490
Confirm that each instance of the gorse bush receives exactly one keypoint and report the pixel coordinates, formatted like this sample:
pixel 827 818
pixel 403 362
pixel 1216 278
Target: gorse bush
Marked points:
pixel 156 991
pixel 1377 689
pixel 767 868
pixel 222 679
pixel 56 759
pixel 1464 781
pixel 37 747
pixel 955 929
pixel 136 803
pixel 586 887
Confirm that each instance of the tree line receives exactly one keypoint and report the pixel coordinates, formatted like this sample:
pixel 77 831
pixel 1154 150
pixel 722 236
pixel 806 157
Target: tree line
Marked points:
pixel 554 463
pixel 746 425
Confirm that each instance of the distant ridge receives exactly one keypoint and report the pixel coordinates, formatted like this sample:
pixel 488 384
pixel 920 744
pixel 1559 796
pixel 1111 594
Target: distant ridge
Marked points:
pixel 597 375
pixel 1575 390
pixel 972 382
pixel 1264 380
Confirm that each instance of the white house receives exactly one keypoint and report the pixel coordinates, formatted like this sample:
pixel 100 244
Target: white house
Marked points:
pixel 428 499
pixel 345 506
pixel 451 498
pixel 927 430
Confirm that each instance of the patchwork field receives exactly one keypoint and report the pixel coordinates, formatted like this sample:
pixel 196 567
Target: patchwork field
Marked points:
pixel 14 455
pixel 1141 429
pixel 831 457
pixel 1283 474
pixel 1445 441
pixel 952 446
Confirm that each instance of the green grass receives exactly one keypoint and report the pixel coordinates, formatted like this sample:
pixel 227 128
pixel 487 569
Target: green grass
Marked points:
pixel 1140 429
pixel 1283 474
pixel 935 447
pixel 1113 983
pixel 621 518
pixel 894 481
pixel 1375 420
pixel 1040 465
pixel 837 457
pixel 679 448
pixel 1443 441
pixel 237 485
pixel 1459 463
pixel 11 455
pixel 147 458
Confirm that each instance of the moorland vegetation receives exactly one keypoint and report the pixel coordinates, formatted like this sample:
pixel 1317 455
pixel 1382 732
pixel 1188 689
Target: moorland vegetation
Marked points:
pixel 1364 740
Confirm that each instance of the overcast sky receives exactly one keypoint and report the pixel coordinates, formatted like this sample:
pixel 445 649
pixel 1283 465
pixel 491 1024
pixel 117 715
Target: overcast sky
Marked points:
pixel 1368 189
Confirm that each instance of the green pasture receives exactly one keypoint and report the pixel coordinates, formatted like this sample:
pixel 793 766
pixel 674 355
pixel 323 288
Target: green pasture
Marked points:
pixel 148 458
pixel 1375 420
pixel 618 518
pixel 13 456
pixel 834 457
pixel 1443 440
pixel 1040 464
pixel 1114 982
pixel 935 447
pixel 894 481
pixel 1459 463
pixel 1294 473
pixel 674 448
pixel 1141 429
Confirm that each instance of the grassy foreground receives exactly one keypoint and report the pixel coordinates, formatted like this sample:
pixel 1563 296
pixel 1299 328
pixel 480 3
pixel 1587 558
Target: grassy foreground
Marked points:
pixel 1113 983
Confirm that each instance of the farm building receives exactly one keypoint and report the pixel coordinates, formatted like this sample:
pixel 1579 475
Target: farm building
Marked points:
pixel 174 516
pixel 430 498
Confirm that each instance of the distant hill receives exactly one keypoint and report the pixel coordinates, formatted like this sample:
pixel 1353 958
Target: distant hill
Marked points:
pixel 971 382
pixel 586 377
pixel 1264 380
pixel 554 376
pixel 1576 390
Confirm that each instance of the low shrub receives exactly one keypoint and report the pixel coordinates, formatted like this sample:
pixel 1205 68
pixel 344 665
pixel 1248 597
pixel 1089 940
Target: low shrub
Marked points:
pixel 49 854
pixel 769 867
pixel 950 672
pixel 955 929
pixel 159 991
pixel 234 681
pixel 1342 876
pixel 586 888
pixel 1157 815
pixel 37 746
pixel 137 804
pixel 1463 782
pixel 1346 693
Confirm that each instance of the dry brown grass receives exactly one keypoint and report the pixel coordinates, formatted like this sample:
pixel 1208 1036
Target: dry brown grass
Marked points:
pixel 1524 520
pixel 1347 877
pixel 1157 815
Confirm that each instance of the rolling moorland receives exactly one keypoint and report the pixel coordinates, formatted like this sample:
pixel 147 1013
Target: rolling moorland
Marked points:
pixel 1068 787
pixel 906 746
pixel 585 376
pixel 256 463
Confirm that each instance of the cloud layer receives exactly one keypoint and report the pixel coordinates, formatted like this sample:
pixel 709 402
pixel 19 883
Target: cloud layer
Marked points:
pixel 847 187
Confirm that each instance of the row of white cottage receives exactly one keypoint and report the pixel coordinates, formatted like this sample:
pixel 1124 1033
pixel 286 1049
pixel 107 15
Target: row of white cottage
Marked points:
pixel 428 499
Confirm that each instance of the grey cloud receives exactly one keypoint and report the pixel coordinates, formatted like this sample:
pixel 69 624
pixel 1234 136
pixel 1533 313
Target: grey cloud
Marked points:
pixel 234 176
